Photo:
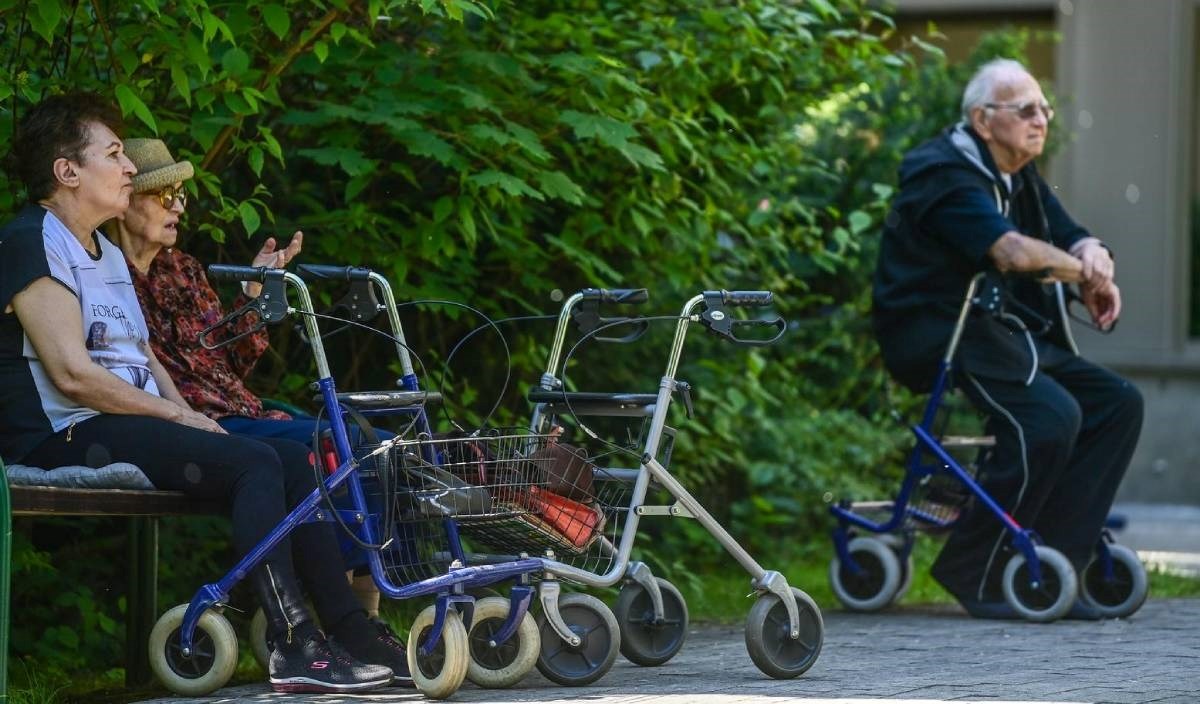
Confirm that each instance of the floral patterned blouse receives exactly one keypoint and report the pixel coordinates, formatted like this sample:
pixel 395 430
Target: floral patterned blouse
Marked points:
pixel 178 303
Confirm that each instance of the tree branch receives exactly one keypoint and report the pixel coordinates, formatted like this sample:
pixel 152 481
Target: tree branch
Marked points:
pixel 221 144
pixel 112 56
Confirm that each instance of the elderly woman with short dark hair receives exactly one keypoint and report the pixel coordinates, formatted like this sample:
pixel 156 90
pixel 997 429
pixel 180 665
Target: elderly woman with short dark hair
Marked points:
pixel 79 384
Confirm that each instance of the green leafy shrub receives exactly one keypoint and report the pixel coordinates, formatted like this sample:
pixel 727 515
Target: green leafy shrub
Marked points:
pixel 497 153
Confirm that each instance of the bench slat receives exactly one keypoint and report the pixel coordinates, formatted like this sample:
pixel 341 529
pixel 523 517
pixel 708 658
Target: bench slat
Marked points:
pixel 45 500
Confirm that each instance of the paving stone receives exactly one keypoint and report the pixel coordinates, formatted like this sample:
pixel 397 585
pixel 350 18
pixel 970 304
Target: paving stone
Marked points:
pixel 903 656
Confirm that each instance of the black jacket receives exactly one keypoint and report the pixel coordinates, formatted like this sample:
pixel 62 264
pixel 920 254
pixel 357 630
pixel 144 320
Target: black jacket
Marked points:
pixel 952 207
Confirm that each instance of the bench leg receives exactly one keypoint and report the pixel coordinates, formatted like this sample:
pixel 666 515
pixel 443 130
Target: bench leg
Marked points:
pixel 143 598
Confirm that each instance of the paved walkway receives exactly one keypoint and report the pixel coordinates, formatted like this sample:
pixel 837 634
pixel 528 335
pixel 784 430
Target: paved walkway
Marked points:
pixel 909 655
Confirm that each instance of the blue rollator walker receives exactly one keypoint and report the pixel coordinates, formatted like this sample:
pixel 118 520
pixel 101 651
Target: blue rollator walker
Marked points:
pixel 193 649
pixel 873 540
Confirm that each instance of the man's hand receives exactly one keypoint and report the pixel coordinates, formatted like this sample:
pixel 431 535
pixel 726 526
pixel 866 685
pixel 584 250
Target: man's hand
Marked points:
pixel 273 258
pixel 1098 268
pixel 1103 303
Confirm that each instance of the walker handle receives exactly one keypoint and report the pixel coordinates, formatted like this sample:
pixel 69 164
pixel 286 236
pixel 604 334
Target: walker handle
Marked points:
pixel 312 272
pixel 616 295
pixel 756 299
pixel 232 272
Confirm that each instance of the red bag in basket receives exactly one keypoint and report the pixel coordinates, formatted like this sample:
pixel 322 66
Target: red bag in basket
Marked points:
pixel 576 522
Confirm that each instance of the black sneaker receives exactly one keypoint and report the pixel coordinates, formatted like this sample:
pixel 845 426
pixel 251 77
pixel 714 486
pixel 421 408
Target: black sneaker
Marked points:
pixel 380 645
pixel 315 665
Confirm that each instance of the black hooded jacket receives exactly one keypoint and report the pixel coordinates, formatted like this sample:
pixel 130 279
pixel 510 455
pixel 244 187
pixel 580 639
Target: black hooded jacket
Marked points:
pixel 952 207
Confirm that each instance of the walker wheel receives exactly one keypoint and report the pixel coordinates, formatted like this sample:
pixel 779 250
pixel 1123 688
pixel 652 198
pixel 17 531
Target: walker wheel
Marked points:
pixel 878 582
pixel 769 640
pixel 645 641
pixel 211 663
pixel 1119 594
pixel 439 674
pixel 258 640
pixel 1052 598
pixel 600 636
pixel 502 664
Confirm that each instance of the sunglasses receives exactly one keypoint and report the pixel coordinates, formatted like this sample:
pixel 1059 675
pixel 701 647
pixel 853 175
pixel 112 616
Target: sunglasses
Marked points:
pixel 170 194
pixel 1025 111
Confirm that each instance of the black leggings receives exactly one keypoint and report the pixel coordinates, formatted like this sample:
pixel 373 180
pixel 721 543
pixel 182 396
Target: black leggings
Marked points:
pixel 260 479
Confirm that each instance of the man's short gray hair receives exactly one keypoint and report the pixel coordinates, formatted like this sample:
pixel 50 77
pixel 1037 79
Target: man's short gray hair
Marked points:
pixel 981 89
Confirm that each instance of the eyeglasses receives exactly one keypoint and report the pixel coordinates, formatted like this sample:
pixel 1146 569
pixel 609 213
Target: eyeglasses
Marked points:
pixel 168 196
pixel 1025 111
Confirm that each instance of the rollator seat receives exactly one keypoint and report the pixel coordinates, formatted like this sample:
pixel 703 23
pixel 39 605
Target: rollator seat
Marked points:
pixel 385 399
pixel 537 395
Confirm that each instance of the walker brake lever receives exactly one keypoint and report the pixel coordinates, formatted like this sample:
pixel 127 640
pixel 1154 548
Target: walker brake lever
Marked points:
pixel 359 303
pixel 685 394
pixel 270 305
pixel 719 322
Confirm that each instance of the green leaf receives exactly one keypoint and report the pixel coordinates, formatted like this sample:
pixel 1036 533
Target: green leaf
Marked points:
pixel 642 156
pixel 351 161
pixel 422 143
pixel 254 157
pixel 607 130
pixel 508 183
pixel 277 20
pixel 442 208
pixel 556 184
pixel 250 217
pixel 131 104
pixel 858 221
pixel 337 31
pixel 466 222
pixel 235 61
pixel 321 51
pixel 45 19
pixel 182 83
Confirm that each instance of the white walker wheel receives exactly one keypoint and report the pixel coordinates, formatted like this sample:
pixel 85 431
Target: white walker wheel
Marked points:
pixel 503 664
pixel 769 638
pixel 879 582
pixel 439 674
pixel 213 659
pixel 258 640
pixel 1123 592
pixel 1052 598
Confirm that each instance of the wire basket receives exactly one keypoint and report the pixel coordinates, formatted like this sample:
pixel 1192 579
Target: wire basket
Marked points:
pixel 503 494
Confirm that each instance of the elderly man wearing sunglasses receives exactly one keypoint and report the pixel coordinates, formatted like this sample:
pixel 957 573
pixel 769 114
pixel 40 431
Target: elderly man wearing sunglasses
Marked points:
pixel 971 200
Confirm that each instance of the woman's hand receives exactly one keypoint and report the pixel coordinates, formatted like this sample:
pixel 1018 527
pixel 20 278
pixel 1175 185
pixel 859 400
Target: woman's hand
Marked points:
pixel 273 258
pixel 200 421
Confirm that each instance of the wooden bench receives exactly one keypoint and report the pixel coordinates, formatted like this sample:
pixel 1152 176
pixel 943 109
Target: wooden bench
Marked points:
pixel 143 509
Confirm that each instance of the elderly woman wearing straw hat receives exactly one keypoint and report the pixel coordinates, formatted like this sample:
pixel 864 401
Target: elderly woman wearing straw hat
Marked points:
pixel 62 402
pixel 178 303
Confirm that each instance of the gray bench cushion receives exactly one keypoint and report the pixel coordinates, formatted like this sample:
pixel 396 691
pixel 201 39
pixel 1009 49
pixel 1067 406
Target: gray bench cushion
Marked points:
pixel 120 475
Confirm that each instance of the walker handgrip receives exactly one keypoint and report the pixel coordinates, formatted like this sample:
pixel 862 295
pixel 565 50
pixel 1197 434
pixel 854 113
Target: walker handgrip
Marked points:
pixel 616 295
pixel 312 272
pixel 742 298
pixel 231 272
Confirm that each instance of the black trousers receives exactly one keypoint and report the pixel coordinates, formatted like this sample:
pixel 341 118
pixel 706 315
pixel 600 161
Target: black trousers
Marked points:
pixel 259 479
pixel 1063 443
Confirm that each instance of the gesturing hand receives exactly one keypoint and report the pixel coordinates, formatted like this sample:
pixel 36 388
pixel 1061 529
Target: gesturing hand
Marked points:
pixel 273 258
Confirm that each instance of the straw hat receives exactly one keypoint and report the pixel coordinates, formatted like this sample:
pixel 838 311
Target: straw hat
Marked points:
pixel 156 167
